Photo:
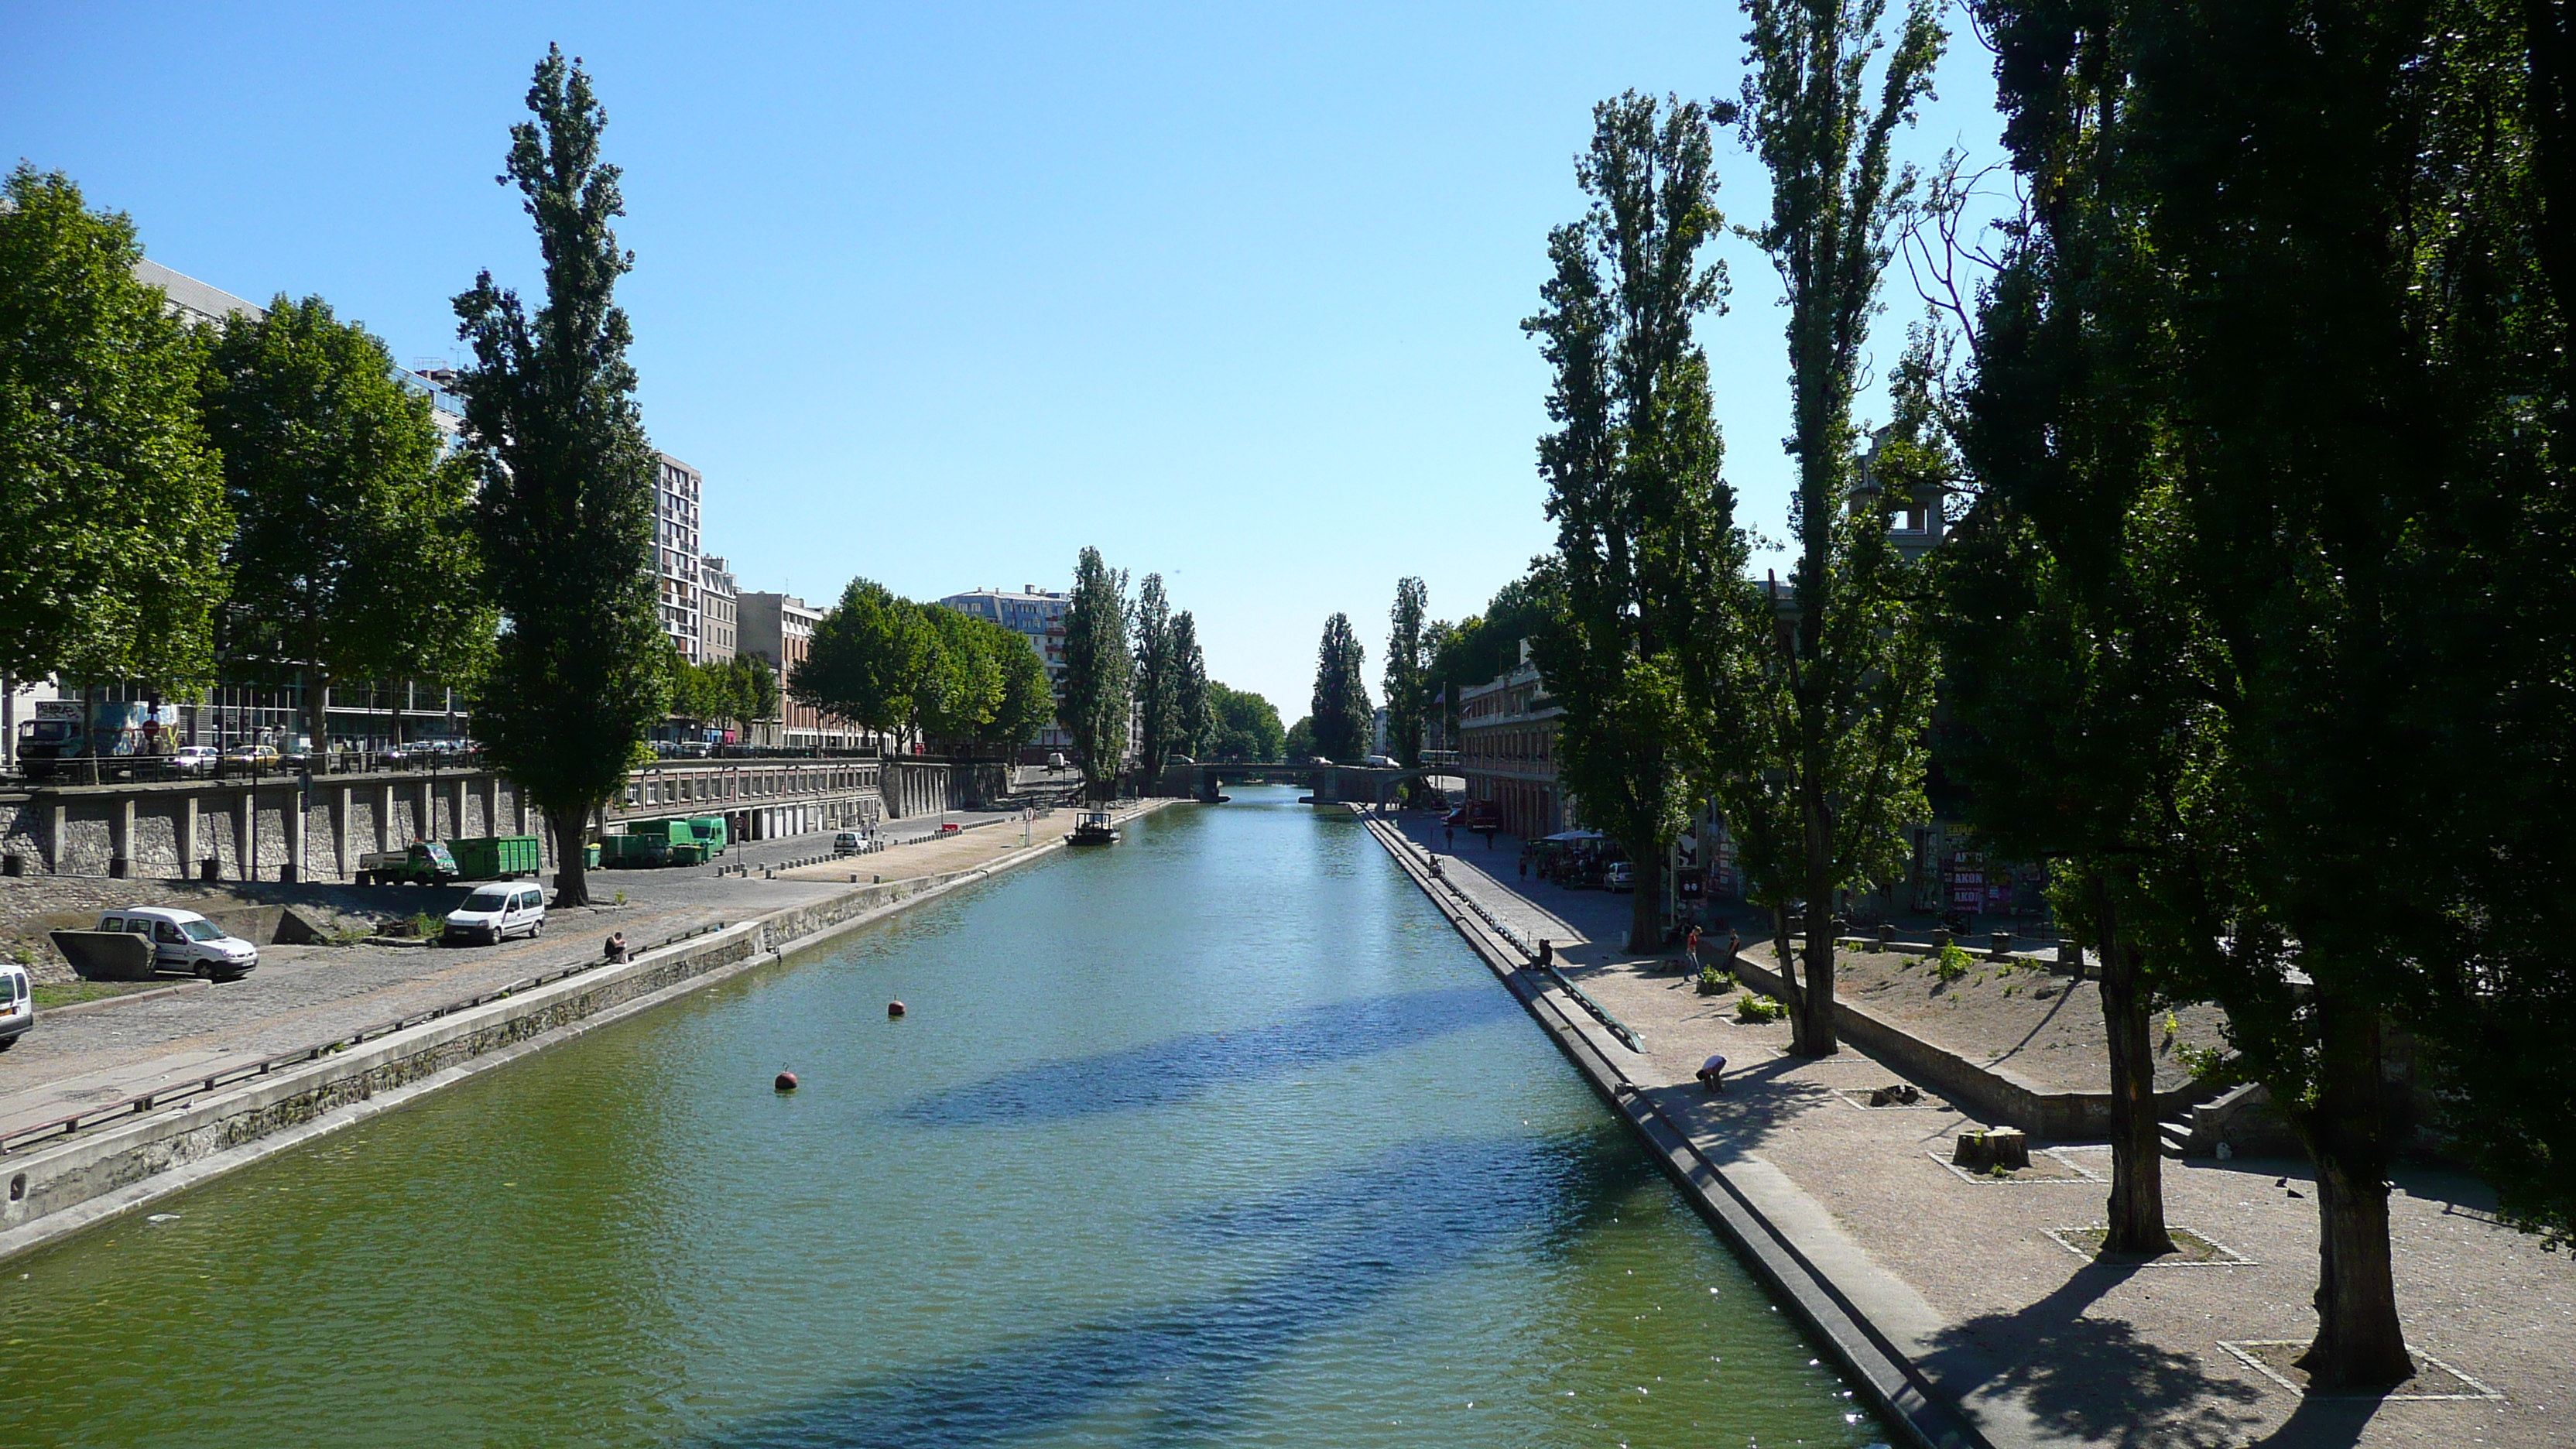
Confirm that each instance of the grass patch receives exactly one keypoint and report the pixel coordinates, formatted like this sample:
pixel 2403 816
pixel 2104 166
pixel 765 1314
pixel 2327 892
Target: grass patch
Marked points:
pixel 1752 1010
pixel 73 993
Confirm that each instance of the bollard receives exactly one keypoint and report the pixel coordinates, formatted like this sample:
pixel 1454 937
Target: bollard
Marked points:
pixel 1999 946
pixel 1886 936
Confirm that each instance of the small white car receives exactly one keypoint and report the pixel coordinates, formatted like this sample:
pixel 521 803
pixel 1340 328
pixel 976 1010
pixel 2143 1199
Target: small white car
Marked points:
pixel 194 760
pixel 496 912
pixel 17 1003
pixel 185 941
pixel 846 843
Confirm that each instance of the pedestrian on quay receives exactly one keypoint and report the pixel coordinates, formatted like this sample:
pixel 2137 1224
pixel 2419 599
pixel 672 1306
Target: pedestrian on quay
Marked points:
pixel 1449 837
pixel 1690 949
pixel 1712 1073
pixel 1525 865
pixel 615 950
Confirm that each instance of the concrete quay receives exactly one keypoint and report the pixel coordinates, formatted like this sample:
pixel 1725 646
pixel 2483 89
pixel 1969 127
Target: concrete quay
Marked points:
pixel 332 1041
pixel 1966 1308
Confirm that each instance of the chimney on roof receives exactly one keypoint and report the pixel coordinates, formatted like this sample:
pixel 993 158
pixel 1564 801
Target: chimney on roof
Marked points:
pixel 1028 588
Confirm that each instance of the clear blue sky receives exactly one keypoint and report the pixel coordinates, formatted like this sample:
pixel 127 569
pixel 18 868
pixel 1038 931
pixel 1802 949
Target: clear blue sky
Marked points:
pixel 939 294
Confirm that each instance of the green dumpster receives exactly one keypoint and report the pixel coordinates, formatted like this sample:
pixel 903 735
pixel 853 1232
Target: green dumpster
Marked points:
pixel 491 856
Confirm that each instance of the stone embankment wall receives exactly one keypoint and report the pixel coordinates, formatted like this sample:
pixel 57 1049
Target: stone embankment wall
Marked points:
pixel 251 830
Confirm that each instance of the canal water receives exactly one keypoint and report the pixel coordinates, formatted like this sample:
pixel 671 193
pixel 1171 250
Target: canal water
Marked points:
pixel 1218 1138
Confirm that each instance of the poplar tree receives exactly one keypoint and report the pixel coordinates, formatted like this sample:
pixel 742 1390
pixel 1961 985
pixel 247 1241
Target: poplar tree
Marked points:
pixel 352 537
pixel 1340 708
pixel 565 512
pixel 1157 680
pixel 1646 535
pixel 112 512
pixel 1190 709
pixel 2076 678
pixel 1408 669
pixel 1840 697
pixel 1098 673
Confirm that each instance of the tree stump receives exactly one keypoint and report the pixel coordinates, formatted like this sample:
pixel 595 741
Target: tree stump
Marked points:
pixel 1985 1151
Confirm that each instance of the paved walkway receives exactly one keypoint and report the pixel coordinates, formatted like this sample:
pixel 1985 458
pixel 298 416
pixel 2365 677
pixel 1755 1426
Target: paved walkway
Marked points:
pixel 302 996
pixel 2037 1342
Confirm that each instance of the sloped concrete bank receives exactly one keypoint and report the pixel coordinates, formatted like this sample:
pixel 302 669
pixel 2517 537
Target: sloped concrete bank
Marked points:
pixel 1856 1310
pixel 60 1187
pixel 1998 1094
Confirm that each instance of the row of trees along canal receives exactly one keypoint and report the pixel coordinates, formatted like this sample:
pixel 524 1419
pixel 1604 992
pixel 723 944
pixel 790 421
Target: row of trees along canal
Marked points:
pixel 263 491
pixel 2257 624
pixel 927 672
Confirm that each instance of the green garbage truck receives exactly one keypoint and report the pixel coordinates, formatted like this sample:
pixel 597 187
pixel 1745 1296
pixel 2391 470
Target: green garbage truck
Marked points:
pixel 712 835
pixel 423 862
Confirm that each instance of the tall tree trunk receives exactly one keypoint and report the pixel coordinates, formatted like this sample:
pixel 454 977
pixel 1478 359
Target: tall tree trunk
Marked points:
pixel 2359 1342
pixel 1790 988
pixel 1819 1040
pixel 2137 1207
pixel 572 859
pixel 1646 913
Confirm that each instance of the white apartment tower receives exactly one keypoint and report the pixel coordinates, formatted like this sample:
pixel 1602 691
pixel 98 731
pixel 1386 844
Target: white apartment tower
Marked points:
pixel 676 486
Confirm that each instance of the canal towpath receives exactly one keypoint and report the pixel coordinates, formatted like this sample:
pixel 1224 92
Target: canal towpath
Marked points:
pixel 1976 1282
pixel 304 995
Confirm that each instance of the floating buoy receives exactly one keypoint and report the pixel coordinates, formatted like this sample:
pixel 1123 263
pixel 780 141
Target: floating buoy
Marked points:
pixel 786 1082
pixel 894 1008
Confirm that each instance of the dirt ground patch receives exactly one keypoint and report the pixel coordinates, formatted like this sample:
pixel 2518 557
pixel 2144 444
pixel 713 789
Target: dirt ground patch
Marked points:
pixel 2013 1014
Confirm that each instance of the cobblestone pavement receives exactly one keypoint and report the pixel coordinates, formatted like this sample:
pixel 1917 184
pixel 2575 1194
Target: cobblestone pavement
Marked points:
pixel 304 995
pixel 2044 1345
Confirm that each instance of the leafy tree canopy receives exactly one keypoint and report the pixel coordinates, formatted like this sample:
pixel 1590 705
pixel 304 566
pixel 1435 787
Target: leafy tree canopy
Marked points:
pixel 112 512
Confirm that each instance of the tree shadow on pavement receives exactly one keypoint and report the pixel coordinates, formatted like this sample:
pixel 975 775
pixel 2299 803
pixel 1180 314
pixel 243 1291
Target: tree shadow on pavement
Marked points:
pixel 2093 1379
pixel 1757 1102
pixel 1187 1067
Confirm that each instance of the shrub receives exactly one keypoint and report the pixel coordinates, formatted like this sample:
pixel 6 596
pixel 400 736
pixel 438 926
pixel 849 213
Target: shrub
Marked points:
pixel 425 925
pixel 1712 980
pixel 1754 1010
pixel 1954 962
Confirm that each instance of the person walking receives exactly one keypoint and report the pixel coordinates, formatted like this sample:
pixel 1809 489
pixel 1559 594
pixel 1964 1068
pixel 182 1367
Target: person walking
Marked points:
pixel 1690 949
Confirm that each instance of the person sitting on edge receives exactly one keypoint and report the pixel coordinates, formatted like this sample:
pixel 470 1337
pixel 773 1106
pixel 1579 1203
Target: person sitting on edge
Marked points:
pixel 1546 952
pixel 616 948
pixel 1712 1074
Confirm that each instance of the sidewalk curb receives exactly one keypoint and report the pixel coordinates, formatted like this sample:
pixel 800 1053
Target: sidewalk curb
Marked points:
pixel 1828 1306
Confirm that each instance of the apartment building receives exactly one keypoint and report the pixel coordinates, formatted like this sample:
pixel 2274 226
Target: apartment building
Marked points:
pixel 719 608
pixel 676 487
pixel 780 628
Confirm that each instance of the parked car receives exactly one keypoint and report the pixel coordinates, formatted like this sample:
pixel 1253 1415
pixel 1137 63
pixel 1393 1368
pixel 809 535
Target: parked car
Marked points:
pixel 1621 876
pixel 185 941
pixel 1055 761
pixel 1380 762
pixel 17 1003
pixel 846 843
pixel 496 912
pixel 194 760
pixel 246 757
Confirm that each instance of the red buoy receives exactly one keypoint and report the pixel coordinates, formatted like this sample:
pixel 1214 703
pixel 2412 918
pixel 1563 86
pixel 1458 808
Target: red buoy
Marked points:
pixel 894 1008
pixel 786 1082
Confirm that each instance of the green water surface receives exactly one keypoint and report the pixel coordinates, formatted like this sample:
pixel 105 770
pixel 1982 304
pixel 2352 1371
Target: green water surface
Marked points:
pixel 1220 1137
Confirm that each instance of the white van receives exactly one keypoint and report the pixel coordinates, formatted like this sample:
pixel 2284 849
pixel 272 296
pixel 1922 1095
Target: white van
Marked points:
pixel 498 911
pixel 17 1003
pixel 185 941
pixel 846 843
